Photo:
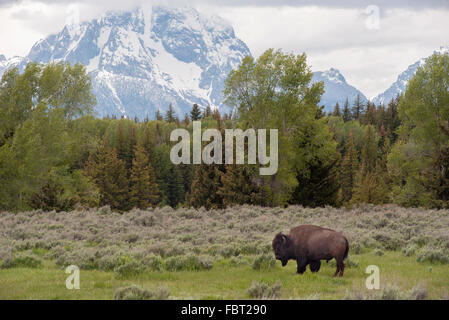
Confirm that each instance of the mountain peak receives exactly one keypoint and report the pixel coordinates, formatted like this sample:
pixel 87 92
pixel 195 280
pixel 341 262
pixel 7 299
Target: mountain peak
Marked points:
pixel 400 85
pixel 336 89
pixel 148 58
pixel 334 75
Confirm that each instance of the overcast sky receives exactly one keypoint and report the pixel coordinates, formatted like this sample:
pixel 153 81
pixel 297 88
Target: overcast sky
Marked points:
pixel 370 42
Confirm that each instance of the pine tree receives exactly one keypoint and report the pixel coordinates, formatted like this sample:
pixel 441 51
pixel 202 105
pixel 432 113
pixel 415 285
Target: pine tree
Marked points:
pixel 124 144
pixel 370 186
pixel 170 116
pixel 216 115
pixel 368 159
pixel 347 116
pixel 175 187
pixel 159 116
pixel 357 109
pixel 195 114
pixel 207 113
pixel 237 187
pixel 144 191
pixel 370 117
pixel 336 112
pixel 109 174
pixel 186 120
pixel 318 186
pixel 349 169
pixel 205 186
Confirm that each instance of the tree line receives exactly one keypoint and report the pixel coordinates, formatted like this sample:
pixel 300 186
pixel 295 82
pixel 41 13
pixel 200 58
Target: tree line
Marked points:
pixel 55 155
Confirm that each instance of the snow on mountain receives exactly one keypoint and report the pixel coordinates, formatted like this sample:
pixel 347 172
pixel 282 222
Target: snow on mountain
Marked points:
pixel 144 60
pixel 336 89
pixel 6 64
pixel 400 85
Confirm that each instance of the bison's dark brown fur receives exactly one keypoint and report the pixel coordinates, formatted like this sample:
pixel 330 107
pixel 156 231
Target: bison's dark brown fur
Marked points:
pixel 309 245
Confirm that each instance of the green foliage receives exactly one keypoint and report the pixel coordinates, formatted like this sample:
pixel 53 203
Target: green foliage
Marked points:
pixel 195 114
pixel 109 174
pixel 348 172
pixel 274 91
pixel 22 260
pixel 418 164
pixel 144 191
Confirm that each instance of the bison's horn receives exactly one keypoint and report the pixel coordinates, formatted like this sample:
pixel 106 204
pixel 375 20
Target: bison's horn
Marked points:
pixel 284 239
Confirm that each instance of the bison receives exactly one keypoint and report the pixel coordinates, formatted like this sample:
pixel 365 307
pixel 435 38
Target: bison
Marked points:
pixel 309 245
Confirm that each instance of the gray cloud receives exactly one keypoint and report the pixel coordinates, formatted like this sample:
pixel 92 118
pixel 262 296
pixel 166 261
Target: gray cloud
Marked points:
pixel 385 4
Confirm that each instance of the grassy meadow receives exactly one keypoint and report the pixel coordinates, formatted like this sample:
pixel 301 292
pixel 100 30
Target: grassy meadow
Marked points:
pixel 219 254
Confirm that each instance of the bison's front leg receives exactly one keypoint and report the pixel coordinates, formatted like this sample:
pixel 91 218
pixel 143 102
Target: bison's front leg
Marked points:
pixel 302 265
pixel 315 266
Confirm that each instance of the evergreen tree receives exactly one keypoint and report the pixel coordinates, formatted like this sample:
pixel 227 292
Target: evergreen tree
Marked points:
pixel 124 144
pixel 370 117
pixel 207 113
pixel 357 109
pixel 144 191
pixel 318 186
pixel 195 114
pixel 159 116
pixel 347 116
pixel 170 116
pixel 237 187
pixel 175 187
pixel 336 112
pixel 186 120
pixel 205 186
pixel 369 188
pixel 348 172
pixel 109 175
pixel 368 157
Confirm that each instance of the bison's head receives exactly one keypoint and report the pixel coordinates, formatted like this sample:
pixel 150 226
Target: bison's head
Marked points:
pixel 281 246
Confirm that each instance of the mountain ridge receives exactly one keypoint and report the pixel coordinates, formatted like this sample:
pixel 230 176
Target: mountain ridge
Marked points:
pixel 141 61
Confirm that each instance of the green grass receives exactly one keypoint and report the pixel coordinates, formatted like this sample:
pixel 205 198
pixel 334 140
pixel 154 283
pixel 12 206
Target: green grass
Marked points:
pixel 224 281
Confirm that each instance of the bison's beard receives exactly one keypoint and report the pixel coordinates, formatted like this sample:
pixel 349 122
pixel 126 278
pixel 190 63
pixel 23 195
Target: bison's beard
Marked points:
pixel 284 262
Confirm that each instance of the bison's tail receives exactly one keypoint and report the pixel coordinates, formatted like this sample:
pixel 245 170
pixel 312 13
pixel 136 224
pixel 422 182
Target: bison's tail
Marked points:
pixel 347 249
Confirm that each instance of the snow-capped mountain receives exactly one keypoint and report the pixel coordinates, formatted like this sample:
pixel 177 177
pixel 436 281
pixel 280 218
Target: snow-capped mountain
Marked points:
pixel 6 64
pixel 144 60
pixel 401 83
pixel 336 89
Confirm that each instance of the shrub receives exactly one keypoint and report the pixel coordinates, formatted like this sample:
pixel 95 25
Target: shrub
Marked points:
pixel 132 293
pixel 433 255
pixel 356 248
pixel 21 261
pixel 378 252
pixel 154 263
pixel 390 293
pixel 136 293
pixel 128 268
pixel 264 262
pixel 188 263
pixel 418 292
pixel 409 250
pixel 261 290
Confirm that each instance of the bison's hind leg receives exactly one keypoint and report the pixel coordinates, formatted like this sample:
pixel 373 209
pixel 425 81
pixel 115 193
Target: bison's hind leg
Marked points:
pixel 340 267
pixel 315 266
